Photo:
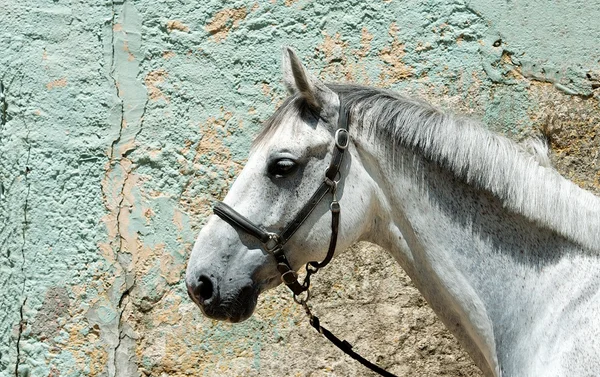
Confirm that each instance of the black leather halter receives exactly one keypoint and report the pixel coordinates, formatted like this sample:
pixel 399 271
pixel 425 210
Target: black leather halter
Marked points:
pixel 273 243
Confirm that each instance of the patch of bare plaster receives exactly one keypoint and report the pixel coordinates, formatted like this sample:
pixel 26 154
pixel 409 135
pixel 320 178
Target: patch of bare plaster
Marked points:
pixel 83 343
pixel 152 79
pixel 168 55
pixel 344 64
pixel 164 342
pixel 267 91
pixel 333 51
pixel 502 66
pixel 58 83
pixel 394 69
pixel 333 48
pixel 133 261
pixel 212 161
pixel 167 339
pixel 571 124
pixel 46 324
pixel 224 21
pixel 177 25
pixel 365 43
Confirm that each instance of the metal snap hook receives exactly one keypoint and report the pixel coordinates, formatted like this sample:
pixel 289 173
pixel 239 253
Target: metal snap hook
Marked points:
pixel 302 301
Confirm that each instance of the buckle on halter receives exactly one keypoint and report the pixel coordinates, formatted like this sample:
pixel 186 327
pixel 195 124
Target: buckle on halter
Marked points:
pixel 272 243
pixel 342 138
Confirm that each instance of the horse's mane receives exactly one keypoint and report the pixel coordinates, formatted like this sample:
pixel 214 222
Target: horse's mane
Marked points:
pixel 522 181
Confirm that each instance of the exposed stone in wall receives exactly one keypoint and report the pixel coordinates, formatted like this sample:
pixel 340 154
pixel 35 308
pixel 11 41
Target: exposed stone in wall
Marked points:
pixel 121 122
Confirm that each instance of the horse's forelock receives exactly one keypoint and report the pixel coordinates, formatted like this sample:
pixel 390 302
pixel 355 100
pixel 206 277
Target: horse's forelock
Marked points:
pixel 294 106
pixel 273 122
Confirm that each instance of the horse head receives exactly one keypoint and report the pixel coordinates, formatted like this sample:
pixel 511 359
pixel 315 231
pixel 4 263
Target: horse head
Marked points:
pixel 229 267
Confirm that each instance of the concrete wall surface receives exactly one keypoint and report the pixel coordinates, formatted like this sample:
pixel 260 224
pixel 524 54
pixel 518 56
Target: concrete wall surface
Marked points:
pixel 121 122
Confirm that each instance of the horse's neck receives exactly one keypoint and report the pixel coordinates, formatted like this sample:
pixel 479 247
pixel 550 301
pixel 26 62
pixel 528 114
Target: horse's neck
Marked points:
pixel 488 272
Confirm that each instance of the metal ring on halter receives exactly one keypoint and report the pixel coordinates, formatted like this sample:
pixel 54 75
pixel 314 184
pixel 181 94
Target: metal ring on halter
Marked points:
pixel 338 141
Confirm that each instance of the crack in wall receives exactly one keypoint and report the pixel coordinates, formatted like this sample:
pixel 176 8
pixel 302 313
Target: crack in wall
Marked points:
pixel 21 322
pixel 128 288
pixel 115 83
pixel 120 332
pixel 120 306
pixel 112 164
pixel 119 173
pixel 3 104
pixel 3 101
pixel 24 235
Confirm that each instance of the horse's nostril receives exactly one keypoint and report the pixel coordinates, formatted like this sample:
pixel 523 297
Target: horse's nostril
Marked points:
pixel 205 288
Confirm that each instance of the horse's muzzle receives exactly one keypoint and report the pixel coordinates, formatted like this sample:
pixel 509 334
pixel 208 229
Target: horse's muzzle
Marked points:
pixel 236 306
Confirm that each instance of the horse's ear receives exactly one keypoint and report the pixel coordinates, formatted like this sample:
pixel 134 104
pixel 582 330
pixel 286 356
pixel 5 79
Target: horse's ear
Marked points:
pixel 298 80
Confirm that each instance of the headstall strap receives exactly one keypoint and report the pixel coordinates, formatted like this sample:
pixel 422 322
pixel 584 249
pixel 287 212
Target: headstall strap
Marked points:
pixel 273 243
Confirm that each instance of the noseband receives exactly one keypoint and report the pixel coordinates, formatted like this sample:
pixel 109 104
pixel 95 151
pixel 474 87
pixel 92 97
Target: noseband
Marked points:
pixel 273 243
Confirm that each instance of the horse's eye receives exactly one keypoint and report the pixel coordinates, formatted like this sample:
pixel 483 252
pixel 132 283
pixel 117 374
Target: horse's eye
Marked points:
pixel 282 167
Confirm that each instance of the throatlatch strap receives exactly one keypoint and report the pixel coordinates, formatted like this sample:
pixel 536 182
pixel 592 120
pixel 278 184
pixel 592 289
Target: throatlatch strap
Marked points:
pixel 335 223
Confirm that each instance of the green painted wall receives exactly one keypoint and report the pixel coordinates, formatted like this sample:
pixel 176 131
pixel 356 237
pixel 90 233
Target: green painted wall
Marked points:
pixel 121 122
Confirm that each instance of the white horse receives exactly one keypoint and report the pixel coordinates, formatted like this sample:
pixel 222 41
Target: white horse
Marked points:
pixel 504 249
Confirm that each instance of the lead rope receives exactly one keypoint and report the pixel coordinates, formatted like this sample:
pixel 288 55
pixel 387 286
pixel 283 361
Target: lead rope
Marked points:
pixel 313 267
pixel 341 344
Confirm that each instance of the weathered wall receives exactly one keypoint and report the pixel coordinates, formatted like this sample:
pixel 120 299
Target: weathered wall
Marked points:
pixel 121 122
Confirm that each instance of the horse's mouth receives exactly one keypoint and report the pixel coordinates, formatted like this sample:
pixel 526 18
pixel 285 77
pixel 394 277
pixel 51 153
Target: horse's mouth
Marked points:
pixel 226 302
pixel 234 308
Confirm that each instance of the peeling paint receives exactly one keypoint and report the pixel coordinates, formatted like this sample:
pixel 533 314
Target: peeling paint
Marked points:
pixel 395 69
pixel 177 25
pixel 225 20
pixel 56 305
pixel 58 83
pixel 152 80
